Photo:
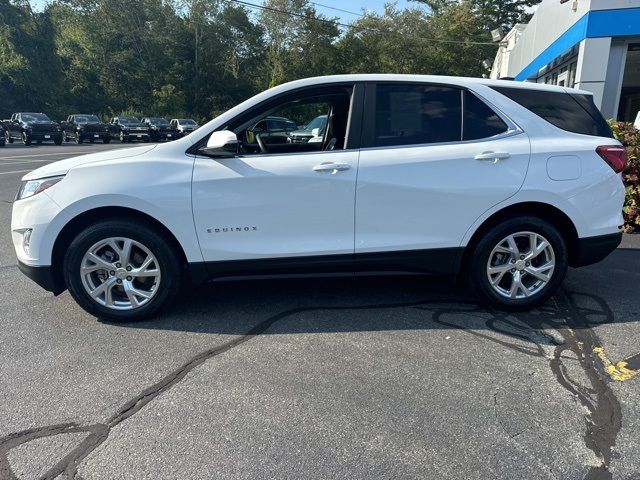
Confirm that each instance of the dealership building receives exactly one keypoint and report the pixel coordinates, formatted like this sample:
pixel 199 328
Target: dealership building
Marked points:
pixel 592 45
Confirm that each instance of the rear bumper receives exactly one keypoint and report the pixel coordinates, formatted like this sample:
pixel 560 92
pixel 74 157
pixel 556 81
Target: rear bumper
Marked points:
pixel 594 249
pixel 42 275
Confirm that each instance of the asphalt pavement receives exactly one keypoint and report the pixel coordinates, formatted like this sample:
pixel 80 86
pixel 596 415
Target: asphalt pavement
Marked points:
pixel 384 377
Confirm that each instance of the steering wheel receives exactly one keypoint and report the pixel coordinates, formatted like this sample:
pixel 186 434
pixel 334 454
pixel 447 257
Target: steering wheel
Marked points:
pixel 263 147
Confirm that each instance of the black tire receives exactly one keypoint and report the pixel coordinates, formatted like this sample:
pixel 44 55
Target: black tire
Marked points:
pixel 7 137
pixel 106 140
pixel 64 137
pixel 77 138
pixel 26 140
pixel 123 139
pixel 155 242
pixel 479 260
pixel 58 141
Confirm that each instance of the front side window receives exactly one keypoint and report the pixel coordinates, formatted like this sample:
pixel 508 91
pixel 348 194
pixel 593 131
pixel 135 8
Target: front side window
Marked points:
pixel 417 114
pixel 282 127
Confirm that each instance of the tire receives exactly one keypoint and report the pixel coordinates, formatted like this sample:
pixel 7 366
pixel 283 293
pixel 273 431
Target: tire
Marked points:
pixel 7 137
pixel 64 137
pixel 122 138
pixel 26 140
pixel 162 289
pixel 58 141
pixel 91 140
pixel 506 268
pixel 77 138
pixel 106 140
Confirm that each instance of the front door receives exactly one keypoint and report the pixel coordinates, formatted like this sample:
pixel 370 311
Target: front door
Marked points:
pixel 277 202
pixel 428 171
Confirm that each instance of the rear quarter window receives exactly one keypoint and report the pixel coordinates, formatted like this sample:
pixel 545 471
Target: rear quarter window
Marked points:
pixel 574 113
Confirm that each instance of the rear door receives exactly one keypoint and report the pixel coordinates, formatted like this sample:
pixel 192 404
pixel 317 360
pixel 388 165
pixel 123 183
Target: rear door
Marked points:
pixel 434 158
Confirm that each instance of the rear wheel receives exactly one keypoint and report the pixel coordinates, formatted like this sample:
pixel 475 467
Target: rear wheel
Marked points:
pixel 519 264
pixel 121 270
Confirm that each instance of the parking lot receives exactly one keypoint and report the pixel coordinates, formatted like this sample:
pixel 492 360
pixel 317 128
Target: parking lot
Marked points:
pixel 378 377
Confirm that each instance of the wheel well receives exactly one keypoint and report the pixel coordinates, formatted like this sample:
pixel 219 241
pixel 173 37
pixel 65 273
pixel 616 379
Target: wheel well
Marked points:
pixel 543 211
pixel 82 221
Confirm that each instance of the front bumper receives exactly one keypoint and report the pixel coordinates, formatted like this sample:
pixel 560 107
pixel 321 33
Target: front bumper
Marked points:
pixel 592 250
pixel 136 135
pixel 84 135
pixel 43 276
pixel 45 136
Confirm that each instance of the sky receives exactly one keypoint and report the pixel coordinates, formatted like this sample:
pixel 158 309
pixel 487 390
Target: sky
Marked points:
pixel 329 8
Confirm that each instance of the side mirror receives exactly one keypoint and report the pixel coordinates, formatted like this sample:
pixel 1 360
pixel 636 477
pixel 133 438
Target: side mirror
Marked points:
pixel 221 144
pixel 315 132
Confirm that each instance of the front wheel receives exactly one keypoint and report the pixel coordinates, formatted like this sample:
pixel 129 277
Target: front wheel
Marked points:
pixel 519 264
pixel 123 139
pixel 26 139
pixel 121 270
pixel 7 137
pixel 78 138
pixel 106 139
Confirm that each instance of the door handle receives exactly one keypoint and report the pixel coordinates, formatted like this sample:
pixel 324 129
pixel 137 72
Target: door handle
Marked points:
pixel 493 157
pixel 331 167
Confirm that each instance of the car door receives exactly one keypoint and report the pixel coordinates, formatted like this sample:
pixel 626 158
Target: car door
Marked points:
pixel 284 207
pixel 434 159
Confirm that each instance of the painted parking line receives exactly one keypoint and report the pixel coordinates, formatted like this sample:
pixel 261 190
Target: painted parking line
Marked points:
pixel 624 370
pixel 48 154
pixel 16 171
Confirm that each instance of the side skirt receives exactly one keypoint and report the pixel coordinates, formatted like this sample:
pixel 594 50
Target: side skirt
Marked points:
pixel 441 261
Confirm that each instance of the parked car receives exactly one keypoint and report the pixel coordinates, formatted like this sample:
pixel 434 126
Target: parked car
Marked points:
pixel 80 127
pixel 128 129
pixel 184 126
pixel 313 131
pixel 506 183
pixel 271 130
pixel 32 127
pixel 160 129
pixel 2 138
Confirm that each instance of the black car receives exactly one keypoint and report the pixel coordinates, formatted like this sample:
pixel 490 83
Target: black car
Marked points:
pixel 2 139
pixel 160 129
pixel 32 127
pixel 80 127
pixel 128 129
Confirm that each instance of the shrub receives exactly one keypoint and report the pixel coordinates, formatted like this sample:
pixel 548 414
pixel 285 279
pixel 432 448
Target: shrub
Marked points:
pixel 629 136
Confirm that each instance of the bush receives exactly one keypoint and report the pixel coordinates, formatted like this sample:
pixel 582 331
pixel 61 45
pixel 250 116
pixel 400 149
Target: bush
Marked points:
pixel 630 138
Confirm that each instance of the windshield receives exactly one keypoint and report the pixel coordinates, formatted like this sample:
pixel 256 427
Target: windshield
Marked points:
pixel 34 117
pixel 186 121
pixel 128 120
pixel 87 119
pixel 158 121
pixel 317 122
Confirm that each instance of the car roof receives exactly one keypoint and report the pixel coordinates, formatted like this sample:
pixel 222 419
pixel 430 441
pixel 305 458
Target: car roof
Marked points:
pixel 402 78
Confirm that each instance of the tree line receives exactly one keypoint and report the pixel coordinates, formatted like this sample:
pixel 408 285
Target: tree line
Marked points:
pixel 200 57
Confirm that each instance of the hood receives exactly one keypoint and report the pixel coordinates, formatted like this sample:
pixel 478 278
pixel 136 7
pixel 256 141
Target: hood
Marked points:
pixel 48 124
pixel 63 166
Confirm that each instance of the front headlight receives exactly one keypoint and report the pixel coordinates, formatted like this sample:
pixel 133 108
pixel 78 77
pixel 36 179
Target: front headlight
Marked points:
pixel 29 188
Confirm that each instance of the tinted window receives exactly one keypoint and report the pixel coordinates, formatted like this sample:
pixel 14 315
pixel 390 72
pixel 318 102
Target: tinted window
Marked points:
pixel 417 114
pixel 479 120
pixel 571 112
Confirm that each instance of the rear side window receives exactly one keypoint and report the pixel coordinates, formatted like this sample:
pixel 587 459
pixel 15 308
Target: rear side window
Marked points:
pixel 479 120
pixel 571 112
pixel 417 114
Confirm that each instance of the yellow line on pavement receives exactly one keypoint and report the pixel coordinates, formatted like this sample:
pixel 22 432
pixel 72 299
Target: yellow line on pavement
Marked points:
pixel 619 371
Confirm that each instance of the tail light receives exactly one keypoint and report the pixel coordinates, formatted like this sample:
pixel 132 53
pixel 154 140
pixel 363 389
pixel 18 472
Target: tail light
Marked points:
pixel 614 155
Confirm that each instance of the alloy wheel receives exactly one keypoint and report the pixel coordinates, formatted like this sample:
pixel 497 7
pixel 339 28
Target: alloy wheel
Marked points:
pixel 120 273
pixel 521 265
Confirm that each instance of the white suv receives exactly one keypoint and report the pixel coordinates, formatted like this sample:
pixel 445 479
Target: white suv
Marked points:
pixel 508 183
